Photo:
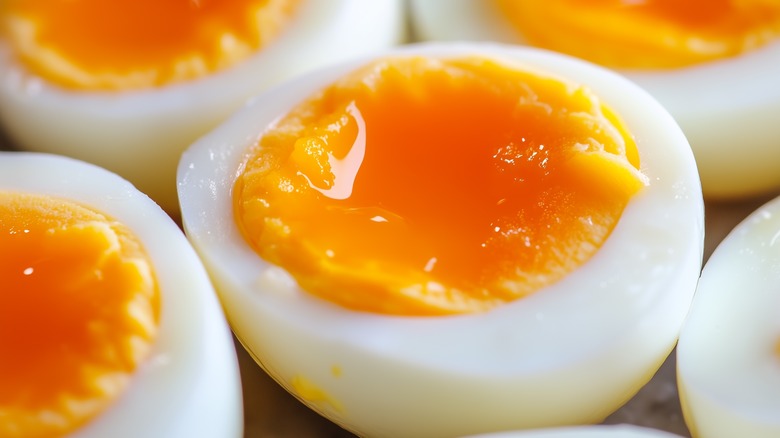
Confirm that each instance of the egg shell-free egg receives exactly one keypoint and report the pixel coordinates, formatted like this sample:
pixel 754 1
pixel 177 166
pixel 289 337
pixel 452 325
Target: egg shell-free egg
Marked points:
pixel 728 358
pixel 571 353
pixel 140 134
pixel 729 109
pixel 189 385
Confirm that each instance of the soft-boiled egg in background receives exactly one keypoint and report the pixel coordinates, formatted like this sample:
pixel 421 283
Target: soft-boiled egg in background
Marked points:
pixel 80 94
pixel 723 93
pixel 729 352
pixel 186 385
pixel 570 353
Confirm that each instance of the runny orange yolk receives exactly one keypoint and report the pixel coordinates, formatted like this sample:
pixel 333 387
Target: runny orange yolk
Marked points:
pixel 99 44
pixel 79 310
pixel 418 186
pixel 646 33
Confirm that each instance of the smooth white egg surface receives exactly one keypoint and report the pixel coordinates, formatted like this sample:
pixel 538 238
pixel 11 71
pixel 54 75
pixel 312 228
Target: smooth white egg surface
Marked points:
pixel 188 385
pixel 727 108
pixel 617 431
pixel 141 133
pixel 728 358
pixel 570 353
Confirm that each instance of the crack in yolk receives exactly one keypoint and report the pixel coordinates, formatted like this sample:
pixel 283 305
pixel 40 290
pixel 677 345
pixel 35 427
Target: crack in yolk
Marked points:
pixel 646 33
pixel 107 45
pixel 421 187
pixel 79 311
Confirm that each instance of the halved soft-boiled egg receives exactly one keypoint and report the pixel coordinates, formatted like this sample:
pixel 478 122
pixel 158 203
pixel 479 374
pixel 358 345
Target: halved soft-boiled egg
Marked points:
pixel 451 239
pixel 728 359
pixel 128 85
pixel 109 325
pixel 713 64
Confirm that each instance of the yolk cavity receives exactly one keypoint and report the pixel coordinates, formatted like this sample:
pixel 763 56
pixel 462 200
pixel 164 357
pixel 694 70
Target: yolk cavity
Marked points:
pixel 419 186
pixel 79 309
pixel 98 44
pixel 646 34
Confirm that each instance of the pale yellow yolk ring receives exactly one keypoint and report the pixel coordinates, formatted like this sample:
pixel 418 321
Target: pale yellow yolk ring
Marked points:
pixel 419 187
pixel 97 44
pixel 79 311
pixel 646 34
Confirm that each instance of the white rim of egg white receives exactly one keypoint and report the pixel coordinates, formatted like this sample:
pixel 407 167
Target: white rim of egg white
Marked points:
pixel 616 431
pixel 728 109
pixel 140 134
pixel 728 367
pixel 412 379
pixel 189 385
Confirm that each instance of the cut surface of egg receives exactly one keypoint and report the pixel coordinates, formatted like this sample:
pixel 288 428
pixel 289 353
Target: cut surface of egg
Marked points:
pixel 728 358
pixel 570 349
pixel 131 97
pixel 646 34
pixel 438 186
pixel 177 41
pixel 101 333
pixel 713 65
pixel 78 313
pixel 617 431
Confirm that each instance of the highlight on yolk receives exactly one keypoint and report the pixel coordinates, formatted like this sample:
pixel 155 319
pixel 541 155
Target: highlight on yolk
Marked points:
pixel 98 44
pixel 417 186
pixel 646 33
pixel 79 310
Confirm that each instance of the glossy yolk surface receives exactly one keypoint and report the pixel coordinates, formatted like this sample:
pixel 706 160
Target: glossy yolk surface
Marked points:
pixel 419 187
pixel 647 33
pixel 98 44
pixel 79 310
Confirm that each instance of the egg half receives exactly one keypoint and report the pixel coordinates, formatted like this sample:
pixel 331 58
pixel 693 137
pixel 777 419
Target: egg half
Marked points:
pixel 570 353
pixel 726 106
pixel 140 132
pixel 176 377
pixel 728 359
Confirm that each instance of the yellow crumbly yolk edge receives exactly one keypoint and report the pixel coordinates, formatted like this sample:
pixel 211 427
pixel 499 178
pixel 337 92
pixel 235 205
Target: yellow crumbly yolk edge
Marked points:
pixel 417 186
pixel 79 310
pixel 119 45
pixel 648 33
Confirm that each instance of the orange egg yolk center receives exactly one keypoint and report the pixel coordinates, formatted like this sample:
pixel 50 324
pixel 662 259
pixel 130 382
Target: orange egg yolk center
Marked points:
pixel 647 33
pixel 98 44
pixel 79 309
pixel 420 187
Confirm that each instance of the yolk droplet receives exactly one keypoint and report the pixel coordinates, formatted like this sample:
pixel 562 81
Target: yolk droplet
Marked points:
pixel 419 187
pixel 648 33
pixel 310 392
pixel 777 348
pixel 98 44
pixel 79 309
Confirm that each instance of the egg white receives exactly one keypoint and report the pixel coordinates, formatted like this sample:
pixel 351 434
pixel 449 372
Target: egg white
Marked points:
pixel 571 353
pixel 617 431
pixel 189 385
pixel 728 109
pixel 727 366
pixel 140 134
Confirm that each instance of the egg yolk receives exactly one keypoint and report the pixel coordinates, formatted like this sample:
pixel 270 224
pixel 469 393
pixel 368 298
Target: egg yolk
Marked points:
pixel 417 186
pixel 99 44
pixel 646 33
pixel 79 310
